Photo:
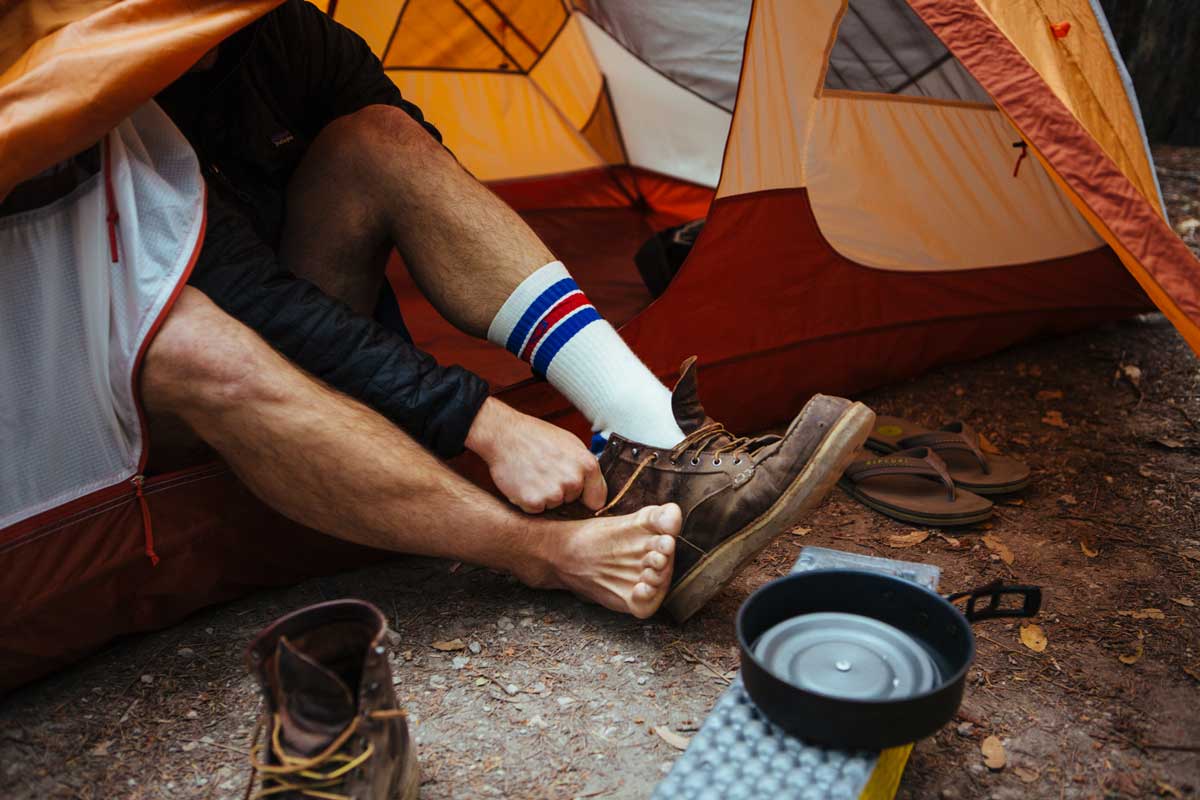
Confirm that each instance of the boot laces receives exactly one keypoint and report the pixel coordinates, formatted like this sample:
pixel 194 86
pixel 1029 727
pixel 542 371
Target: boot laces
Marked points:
pixel 695 443
pixel 309 777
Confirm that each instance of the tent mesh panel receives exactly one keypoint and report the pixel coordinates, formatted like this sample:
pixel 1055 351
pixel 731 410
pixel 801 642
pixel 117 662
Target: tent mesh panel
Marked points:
pixel 883 47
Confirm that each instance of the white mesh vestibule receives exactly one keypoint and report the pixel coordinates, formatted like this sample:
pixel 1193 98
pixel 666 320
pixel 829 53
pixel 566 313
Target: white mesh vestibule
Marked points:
pixel 73 321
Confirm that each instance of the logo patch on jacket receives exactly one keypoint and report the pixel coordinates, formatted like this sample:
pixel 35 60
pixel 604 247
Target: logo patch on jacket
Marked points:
pixel 280 138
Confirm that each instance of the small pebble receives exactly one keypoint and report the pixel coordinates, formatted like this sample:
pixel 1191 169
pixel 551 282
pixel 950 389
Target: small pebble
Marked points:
pixel 565 701
pixel 475 647
pixel 965 729
pixel 186 652
pixel 642 680
pixel 511 689
pixel 437 680
pixel 147 678
pixel 460 661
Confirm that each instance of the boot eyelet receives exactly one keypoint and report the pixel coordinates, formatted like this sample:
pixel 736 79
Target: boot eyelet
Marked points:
pixel 654 456
pixel 716 462
pixel 737 461
pixel 633 451
pixel 695 462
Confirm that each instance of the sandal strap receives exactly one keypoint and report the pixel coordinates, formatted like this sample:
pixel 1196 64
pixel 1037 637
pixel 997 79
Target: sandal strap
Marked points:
pixel 958 435
pixel 921 462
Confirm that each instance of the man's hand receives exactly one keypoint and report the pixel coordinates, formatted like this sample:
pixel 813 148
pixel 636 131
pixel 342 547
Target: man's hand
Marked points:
pixel 535 464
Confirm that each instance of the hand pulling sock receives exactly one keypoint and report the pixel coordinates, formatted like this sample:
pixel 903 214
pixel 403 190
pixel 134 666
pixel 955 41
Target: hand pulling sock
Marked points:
pixel 548 322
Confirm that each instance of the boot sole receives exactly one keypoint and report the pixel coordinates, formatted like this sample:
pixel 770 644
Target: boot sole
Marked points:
pixel 412 772
pixel 810 487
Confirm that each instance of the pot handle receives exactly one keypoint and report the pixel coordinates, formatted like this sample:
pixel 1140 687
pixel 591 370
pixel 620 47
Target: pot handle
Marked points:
pixel 994 593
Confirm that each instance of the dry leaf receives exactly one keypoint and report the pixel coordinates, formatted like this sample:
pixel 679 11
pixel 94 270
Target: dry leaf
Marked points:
pixel 1087 551
pixel 1132 373
pixel 1033 637
pixel 1055 420
pixel 1132 658
pixel 993 753
pixel 1190 553
pixel 1145 613
pixel 1136 655
pixel 1171 444
pixel 1193 673
pixel 1016 501
pixel 999 548
pixel 1146 472
pixel 672 738
pixel 453 644
pixel 1186 602
pixel 907 539
pixel 950 540
pixel 801 531
pixel 1165 789
pixel 987 446
pixel 1027 775
pixel 102 748
pixel 1068 500
pixel 1050 394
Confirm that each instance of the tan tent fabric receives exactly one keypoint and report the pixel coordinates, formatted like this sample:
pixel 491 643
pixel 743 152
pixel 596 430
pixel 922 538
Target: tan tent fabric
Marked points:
pixel 918 186
pixel 780 84
pixel 81 79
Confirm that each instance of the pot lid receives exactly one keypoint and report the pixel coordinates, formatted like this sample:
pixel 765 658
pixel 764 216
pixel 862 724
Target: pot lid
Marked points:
pixel 847 656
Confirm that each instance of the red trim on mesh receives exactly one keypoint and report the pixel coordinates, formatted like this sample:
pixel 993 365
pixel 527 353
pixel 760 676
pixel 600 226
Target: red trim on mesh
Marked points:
pixel 110 199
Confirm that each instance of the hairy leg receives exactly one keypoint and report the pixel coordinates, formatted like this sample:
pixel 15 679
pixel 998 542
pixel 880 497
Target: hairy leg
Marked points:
pixel 331 463
pixel 391 182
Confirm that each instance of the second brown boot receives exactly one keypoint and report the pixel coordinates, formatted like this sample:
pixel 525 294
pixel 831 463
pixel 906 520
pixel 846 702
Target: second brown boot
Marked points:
pixel 736 494
pixel 332 727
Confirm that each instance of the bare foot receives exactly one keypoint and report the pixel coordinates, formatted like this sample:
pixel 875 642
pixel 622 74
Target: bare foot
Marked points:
pixel 622 563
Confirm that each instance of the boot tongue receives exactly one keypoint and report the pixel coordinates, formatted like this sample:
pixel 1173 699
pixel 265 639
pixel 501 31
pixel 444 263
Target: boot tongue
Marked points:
pixel 314 704
pixel 685 399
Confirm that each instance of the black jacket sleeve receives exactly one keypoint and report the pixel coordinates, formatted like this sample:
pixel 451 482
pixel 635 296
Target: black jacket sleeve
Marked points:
pixel 435 405
pixel 340 74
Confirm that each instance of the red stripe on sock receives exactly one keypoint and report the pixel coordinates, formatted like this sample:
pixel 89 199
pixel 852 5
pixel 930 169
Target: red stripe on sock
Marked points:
pixel 561 309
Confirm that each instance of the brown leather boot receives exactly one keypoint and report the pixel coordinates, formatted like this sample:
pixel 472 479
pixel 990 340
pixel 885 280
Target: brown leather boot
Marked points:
pixel 333 729
pixel 736 494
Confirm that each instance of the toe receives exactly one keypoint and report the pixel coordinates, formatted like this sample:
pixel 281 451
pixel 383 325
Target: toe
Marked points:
pixel 653 577
pixel 666 519
pixel 656 560
pixel 663 544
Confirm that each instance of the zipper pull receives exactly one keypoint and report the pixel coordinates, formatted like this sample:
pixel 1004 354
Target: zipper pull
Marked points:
pixel 147 528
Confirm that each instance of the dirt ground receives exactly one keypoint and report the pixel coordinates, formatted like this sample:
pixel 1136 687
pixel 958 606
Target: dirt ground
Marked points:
pixel 554 699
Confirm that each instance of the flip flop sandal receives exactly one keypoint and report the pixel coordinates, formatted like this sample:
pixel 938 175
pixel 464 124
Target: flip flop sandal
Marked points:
pixel 958 445
pixel 913 486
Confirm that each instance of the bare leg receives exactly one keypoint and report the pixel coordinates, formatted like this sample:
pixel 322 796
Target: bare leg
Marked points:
pixel 331 463
pixel 390 182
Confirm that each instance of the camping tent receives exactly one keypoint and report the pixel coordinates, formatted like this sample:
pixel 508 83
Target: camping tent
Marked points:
pixel 888 185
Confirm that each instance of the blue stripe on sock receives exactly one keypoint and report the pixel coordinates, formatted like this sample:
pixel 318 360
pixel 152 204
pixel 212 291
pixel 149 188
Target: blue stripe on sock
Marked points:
pixel 558 337
pixel 537 309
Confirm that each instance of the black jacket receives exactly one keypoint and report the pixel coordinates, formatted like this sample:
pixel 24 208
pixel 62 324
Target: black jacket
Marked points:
pixel 251 118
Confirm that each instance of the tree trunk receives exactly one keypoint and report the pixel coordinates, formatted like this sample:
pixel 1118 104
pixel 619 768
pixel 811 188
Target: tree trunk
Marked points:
pixel 1160 42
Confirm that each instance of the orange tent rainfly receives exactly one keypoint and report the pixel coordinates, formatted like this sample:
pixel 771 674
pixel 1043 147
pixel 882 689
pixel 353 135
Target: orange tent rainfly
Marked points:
pixel 888 185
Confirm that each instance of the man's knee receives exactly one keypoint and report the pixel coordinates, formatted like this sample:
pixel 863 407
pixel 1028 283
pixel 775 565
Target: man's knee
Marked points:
pixel 380 133
pixel 203 358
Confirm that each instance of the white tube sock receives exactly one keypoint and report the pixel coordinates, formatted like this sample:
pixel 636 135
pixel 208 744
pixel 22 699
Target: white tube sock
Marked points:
pixel 549 322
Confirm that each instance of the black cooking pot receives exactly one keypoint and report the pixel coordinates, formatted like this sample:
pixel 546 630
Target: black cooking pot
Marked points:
pixel 850 682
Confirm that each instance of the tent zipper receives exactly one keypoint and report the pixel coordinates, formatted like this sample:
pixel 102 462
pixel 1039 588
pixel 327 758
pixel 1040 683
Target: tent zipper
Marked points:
pixel 147 527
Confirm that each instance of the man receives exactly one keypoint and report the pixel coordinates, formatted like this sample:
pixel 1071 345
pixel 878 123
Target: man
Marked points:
pixel 317 168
